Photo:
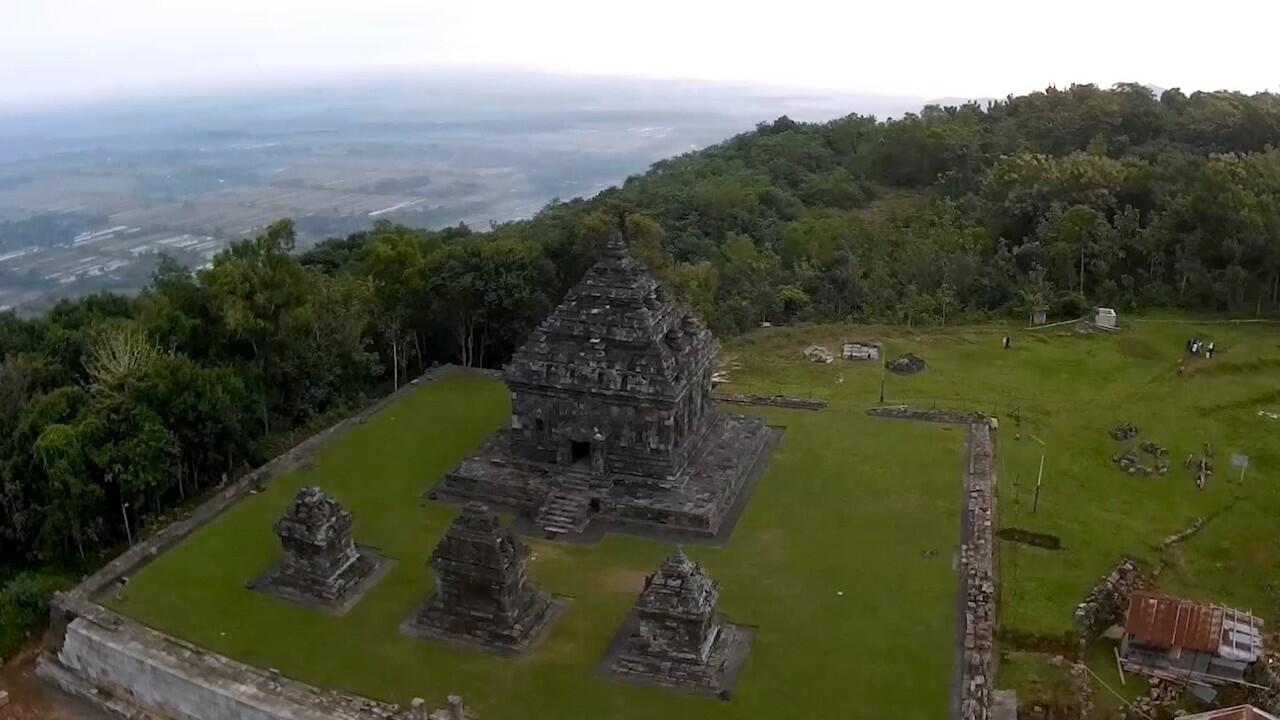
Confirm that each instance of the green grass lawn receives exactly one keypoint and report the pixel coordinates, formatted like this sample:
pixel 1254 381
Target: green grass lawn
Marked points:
pixel 848 505
pixel 1070 388
pixel 828 561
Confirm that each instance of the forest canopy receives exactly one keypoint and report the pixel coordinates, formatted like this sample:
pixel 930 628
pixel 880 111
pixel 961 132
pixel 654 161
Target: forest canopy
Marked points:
pixel 115 409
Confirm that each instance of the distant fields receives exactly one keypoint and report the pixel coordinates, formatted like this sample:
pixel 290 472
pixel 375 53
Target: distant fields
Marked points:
pixel 830 559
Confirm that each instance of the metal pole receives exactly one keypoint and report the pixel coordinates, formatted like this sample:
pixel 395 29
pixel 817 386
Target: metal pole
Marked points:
pixel 882 378
pixel 1039 476
pixel 124 510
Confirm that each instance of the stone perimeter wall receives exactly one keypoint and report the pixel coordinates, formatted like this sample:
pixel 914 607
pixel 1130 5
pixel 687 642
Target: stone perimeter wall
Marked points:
pixel 976 655
pixel 133 671
pixel 782 401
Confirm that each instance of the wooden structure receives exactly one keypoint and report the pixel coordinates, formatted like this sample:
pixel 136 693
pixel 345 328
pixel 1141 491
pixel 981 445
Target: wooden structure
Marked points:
pixel 1188 642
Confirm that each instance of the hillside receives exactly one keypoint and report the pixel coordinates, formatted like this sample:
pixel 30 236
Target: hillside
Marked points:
pixel 115 408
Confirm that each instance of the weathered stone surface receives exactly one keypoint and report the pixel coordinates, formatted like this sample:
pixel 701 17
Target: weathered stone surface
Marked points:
pixel 483 595
pixel 675 638
pixel 612 417
pixel 321 565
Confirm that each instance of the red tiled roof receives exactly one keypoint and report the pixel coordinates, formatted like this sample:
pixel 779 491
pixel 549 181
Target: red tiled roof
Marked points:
pixel 1165 622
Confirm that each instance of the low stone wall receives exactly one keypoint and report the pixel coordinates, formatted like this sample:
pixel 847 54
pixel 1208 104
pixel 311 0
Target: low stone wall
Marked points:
pixel 1107 601
pixel 902 412
pixel 133 671
pixel 782 401
pixel 978 576
pixel 979 594
pixel 123 664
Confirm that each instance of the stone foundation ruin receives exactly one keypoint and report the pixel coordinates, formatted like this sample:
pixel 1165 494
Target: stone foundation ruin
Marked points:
pixel 674 637
pixel 483 596
pixel 322 566
pixel 612 420
pixel 908 364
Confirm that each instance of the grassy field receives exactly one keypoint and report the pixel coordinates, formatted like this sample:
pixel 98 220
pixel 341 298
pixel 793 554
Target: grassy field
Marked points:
pixel 829 561
pixel 1069 389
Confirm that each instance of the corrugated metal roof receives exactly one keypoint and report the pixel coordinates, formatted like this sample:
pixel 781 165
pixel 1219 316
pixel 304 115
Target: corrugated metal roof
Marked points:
pixel 1239 712
pixel 1165 622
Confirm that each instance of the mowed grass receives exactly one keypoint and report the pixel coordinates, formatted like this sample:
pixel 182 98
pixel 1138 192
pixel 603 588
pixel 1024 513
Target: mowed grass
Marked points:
pixel 1070 388
pixel 830 560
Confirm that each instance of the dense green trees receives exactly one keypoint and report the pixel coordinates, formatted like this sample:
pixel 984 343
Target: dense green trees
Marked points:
pixel 115 408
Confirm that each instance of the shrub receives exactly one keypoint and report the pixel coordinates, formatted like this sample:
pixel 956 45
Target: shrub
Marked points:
pixel 24 606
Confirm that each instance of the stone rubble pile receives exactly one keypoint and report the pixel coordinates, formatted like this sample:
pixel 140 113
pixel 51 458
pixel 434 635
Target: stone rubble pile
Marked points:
pixel 455 711
pixel 1131 461
pixel 908 364
pixel 1266 675
pixel 1160 701
pixel 1124 431
pixel 977 557
pixel 1107 601
pixel 818 354
pixel 1153 449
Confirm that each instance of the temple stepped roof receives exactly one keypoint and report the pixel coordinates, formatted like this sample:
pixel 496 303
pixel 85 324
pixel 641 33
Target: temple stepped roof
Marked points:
pixel 618 329
pixel 679 587
pixel 314 517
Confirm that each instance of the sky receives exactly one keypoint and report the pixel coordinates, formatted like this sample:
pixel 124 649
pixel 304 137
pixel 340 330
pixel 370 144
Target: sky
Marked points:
pixel 59 51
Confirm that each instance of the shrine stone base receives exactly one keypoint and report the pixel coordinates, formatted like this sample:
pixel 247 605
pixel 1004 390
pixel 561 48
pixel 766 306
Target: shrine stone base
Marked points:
pixel 433 621
pixel 716 677
pixel 700 505
pixel 336 595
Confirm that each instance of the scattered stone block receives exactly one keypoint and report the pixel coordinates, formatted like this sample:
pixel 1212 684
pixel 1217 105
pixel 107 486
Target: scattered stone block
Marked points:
pixel 1124 431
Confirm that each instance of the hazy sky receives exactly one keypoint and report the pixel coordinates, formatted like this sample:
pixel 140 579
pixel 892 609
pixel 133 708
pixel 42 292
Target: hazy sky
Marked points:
pixel 55 50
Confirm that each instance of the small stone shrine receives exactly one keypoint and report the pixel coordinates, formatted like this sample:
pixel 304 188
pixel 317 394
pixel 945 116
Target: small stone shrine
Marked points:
pixel 322 566
pixel 675 638
pixel 483 596
pixel 612 418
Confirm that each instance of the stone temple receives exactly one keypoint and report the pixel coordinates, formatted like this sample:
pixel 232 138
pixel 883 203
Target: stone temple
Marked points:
pixel 322 565
pixel 674 637
pixel 612 418
pixel 483 595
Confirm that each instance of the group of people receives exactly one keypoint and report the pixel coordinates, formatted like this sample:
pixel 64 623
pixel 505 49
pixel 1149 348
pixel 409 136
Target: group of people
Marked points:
pixel 1195 346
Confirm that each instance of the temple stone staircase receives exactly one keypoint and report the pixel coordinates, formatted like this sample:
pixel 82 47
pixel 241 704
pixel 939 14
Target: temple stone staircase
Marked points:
pixel 567 508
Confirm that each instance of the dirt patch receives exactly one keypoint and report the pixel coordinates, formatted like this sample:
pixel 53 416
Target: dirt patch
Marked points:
pixel 30 698
pixel 1065 644
pixel 624 581
pixel 1027 537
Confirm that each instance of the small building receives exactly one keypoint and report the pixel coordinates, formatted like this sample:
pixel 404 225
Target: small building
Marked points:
pixel 860 350
pixel 1106 318
pixel 1185 641
pixel 1039 316
pixel 1239 712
